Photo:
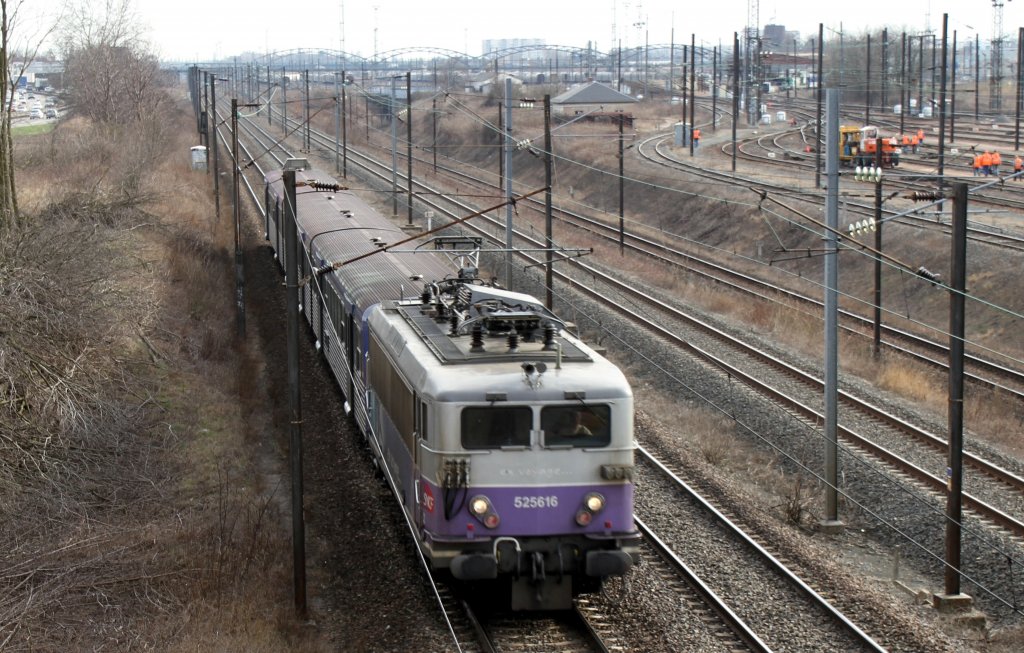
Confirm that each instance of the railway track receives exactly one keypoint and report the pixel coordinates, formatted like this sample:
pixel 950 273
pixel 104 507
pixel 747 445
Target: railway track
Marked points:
pixel 762 573
pixel 439 208
pixel 989 374
pixel 899 428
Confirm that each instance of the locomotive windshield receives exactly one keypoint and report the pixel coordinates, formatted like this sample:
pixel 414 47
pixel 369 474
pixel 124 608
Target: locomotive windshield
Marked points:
pixel 570 425
pixel 493 427
pixel 576 425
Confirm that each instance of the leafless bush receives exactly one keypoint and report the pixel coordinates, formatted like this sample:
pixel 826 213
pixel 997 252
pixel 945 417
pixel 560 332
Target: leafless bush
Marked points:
pixel 99 167
pixel 797 503
pixel 110 538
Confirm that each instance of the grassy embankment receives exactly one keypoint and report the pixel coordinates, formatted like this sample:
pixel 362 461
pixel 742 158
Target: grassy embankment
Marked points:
pixel 134 510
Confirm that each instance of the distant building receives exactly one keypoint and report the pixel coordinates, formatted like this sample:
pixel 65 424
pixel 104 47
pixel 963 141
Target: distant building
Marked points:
pixel 493 45
pixel 528 49
pixel 590 97
pixel 777 37
pixel 485 82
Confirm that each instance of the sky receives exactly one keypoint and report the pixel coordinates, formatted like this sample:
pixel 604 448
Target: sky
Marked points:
pixel 198 30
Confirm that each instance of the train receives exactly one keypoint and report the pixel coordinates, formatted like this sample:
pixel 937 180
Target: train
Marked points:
pixel 507 440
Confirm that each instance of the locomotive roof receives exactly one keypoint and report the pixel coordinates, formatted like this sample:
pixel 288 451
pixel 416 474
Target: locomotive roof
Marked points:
pixel 446 367
pixel 450 348
pixel 338 226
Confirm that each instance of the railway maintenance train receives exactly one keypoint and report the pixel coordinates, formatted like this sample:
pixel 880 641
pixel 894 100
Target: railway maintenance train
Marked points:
pixel 858 147
pixel 507 440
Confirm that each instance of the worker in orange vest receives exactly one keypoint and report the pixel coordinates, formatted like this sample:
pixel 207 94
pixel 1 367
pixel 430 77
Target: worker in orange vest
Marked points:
pixel 914 140
pixel 1018 167
pixel 996 160
pixel 696 138
pixel 906 141
pixel 977 164
pixel 920 136
pixel 986 164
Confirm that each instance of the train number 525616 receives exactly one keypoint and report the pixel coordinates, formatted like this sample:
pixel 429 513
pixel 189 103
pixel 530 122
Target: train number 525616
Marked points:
pixel 536 502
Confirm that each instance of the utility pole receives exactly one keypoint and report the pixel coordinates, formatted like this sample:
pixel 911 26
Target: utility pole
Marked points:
pixel 885 68
pixel 408 137
pixel 236 200
pixel 548 221
pixel 309 143
pixel 954 472
pixel 952 97
pixel 684 96
pixel 394 150
pixel 337 124
pixel 693 87
pixel 1017 95
pixel 817 128
pixel 714 89
pixel 501 131
pixel 877 331
pixel 831 522
pixel 204 115
pixel 735 92
pixel 867 101
pixel 920 75
pixel 942 103
pixel 294 396
pixel 216 158
pixel 509 206
pixel 344 127
pixel 903 83
pixel 622 183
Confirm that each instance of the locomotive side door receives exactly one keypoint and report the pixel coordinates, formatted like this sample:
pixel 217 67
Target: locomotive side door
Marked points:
pixel 420 438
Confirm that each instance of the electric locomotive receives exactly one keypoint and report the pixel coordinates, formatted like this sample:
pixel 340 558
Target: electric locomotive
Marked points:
pixel 507 440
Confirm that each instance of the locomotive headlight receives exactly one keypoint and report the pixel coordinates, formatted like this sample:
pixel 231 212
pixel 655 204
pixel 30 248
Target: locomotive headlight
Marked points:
pixel 479 506
pixel 594 502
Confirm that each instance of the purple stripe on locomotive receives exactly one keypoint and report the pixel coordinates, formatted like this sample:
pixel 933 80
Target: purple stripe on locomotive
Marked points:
pixel 542 511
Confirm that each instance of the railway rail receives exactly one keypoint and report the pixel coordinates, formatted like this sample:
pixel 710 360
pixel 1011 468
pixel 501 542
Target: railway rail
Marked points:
pixel 934 482
pixel 438 207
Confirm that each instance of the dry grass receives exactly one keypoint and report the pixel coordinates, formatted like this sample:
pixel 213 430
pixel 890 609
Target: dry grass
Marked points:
pixel 130 489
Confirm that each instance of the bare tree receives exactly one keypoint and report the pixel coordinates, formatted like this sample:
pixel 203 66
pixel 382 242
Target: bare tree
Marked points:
pixel 108 68
pixel 14 62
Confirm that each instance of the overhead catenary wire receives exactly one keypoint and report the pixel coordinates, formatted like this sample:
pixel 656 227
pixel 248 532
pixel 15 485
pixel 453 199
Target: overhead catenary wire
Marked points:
pixel 903 267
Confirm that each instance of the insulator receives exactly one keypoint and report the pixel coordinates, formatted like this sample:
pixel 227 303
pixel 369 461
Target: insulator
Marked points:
pixel 324 186
pixel 928 274
pixel 477 343
pixel 549 337
pixel 925 195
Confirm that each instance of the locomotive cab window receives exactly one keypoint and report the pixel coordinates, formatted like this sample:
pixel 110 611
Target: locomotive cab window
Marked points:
pixel 493 427
pixel 576 425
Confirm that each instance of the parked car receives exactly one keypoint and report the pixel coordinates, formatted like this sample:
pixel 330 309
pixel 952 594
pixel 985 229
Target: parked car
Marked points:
pixel 51 112
pixel 37 114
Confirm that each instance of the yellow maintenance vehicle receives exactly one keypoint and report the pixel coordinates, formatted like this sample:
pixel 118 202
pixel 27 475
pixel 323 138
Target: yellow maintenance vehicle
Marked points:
pixel 858 145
